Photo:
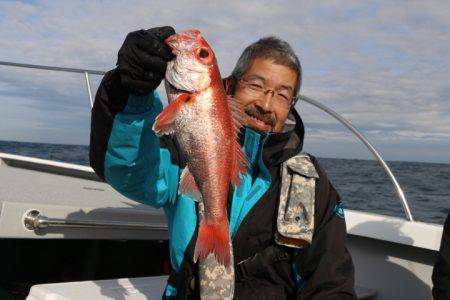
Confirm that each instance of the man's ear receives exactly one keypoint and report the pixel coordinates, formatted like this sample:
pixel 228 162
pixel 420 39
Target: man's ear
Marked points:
pixel 227 84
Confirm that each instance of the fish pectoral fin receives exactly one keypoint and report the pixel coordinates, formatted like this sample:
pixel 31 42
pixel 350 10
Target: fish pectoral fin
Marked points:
pixel 237 113
pixel 188 186
pixel 164 123
pixel 239 163
pixel 240 159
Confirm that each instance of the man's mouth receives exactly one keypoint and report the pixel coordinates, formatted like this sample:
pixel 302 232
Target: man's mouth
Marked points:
pixel 258 121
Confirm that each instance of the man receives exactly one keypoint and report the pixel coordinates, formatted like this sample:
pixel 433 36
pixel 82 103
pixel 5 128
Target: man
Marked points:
pixel 286 220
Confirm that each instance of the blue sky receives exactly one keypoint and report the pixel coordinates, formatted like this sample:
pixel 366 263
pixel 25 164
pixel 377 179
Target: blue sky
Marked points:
pixel 384 65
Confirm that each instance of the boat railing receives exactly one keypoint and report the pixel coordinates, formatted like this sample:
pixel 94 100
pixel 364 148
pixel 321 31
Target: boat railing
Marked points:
pixel 400 194
pixel 86 73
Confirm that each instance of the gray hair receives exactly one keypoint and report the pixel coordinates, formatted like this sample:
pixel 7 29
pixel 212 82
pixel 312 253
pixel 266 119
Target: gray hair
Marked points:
pixel 272 48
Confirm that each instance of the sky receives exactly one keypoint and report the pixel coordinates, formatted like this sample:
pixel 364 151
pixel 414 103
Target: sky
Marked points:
pixel 383 65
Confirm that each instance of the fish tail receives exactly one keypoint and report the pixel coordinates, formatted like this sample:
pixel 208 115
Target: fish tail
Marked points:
pixel 213 238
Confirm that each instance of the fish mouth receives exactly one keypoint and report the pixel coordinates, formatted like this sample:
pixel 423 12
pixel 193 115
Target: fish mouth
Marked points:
pixel 182 37
pixel 259 121
pixel 173 92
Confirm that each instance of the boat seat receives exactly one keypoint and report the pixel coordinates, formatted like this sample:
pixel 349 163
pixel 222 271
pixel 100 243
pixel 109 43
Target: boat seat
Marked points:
pixel 365 293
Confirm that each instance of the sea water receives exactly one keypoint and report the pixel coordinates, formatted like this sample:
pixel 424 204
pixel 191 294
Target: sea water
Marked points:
pixel 362 184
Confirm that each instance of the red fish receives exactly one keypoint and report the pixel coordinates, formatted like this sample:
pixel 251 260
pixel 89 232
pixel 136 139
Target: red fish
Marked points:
pixel 206 123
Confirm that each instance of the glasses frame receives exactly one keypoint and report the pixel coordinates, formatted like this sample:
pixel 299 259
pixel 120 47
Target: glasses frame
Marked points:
pixel 293 99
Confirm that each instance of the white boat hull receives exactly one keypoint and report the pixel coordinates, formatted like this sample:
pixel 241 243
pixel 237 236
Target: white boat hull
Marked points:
pixel 393 257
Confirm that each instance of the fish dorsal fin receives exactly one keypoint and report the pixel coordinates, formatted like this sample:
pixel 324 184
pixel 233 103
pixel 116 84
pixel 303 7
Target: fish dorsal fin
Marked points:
pixel 188 185
pixel 164 122
pixel 227 83
pixel 240 159
pixel 237 113
pixel 239 163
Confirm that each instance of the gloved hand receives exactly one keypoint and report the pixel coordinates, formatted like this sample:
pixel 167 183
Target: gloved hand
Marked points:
pixel 142 59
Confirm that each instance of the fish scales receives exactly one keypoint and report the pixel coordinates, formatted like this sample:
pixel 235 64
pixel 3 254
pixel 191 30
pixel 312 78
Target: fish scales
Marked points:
pixel 204 142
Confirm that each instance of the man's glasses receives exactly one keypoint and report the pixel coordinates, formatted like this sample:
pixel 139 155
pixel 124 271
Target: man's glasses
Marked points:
pixel 257 90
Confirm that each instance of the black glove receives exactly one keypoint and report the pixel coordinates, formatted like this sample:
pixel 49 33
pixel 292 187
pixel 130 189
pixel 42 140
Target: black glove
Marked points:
pixel 142 59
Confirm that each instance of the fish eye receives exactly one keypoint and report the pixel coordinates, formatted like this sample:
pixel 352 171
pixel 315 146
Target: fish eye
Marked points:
pixel 203 53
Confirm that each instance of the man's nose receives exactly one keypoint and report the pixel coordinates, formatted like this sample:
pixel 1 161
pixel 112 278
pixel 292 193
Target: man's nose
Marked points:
pixel 266 101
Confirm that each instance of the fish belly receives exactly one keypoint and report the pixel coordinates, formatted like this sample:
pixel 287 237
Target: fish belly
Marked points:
pixel 206 140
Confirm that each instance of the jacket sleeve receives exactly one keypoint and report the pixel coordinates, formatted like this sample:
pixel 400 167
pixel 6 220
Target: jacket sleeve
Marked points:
pixel 441 271
pixel 124 150
pixel 326 265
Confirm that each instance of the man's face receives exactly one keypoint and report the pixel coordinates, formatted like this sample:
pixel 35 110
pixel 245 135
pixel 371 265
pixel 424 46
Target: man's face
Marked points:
pixel 266 112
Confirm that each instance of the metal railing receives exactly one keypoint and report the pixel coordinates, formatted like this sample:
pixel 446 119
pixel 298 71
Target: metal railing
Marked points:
pixel 34 220
pixel 398 189
pixel 86 73
pixel 346 123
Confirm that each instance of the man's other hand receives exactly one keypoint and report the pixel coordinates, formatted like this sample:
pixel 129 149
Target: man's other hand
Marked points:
pixel 142 59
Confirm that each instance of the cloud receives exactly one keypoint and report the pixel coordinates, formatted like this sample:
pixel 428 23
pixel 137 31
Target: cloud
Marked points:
pixel 382 65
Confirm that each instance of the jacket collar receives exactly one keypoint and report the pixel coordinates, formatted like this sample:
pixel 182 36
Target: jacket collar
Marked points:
pixel 277 146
